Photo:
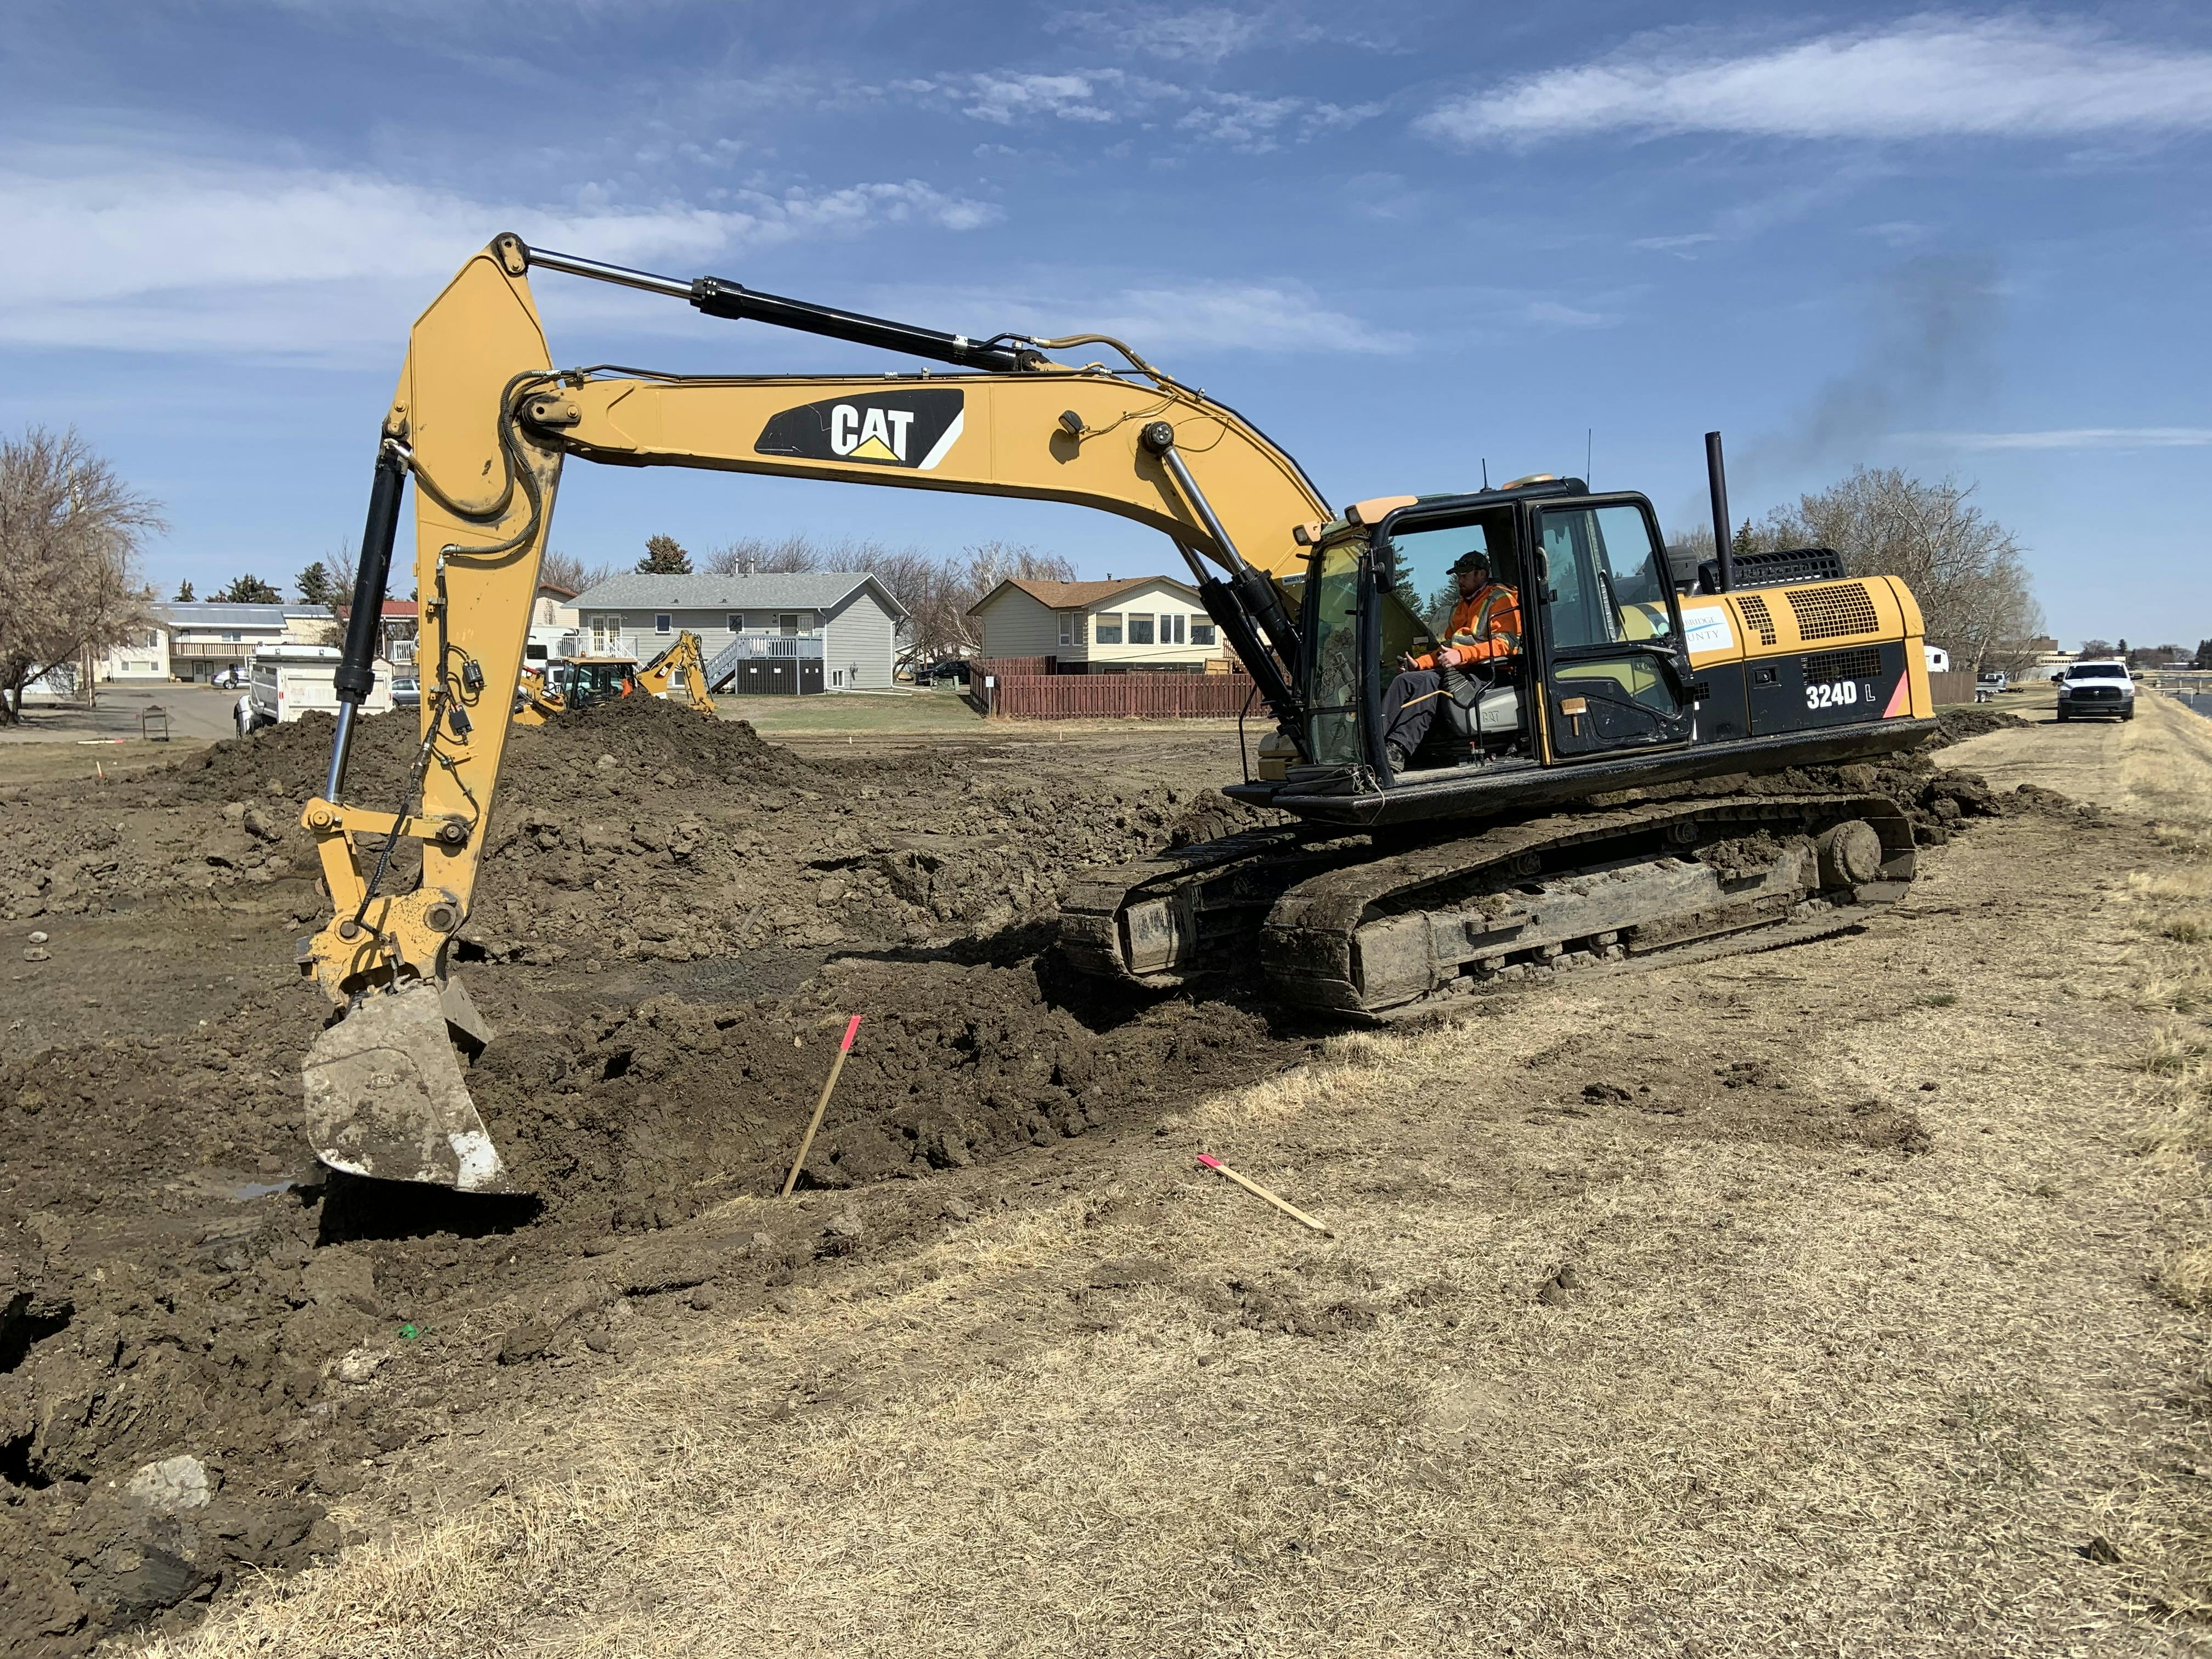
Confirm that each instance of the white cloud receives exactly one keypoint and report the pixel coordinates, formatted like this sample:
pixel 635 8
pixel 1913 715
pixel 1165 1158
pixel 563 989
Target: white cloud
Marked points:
pixel 1262 317
pixel 1003 97
pixel 1552 311
pixel 2083 437
pixel 1204 34
pixel 1226 316
pixel 1241 121
pixel 214 255
pixel 1932 76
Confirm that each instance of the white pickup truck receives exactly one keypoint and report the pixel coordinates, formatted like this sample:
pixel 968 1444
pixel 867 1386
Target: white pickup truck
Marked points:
pixel 283 681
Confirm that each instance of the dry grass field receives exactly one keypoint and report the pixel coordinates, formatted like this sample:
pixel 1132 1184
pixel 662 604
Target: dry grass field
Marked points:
pixel 1843 1300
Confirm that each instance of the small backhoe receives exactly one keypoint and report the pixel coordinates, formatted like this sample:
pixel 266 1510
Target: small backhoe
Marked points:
pixel 678 673
pixel 1390 887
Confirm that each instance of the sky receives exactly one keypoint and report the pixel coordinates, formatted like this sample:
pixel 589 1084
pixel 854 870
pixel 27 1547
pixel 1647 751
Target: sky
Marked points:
pixel 1405 240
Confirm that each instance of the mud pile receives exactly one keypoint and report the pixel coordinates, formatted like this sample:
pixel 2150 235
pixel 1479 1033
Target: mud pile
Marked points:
pixel 1956 725
pixel 955 1064
pixel 637 830
pixel 188 1304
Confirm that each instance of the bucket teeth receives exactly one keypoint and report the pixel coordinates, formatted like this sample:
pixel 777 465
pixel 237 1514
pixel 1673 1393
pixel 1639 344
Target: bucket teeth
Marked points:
pixel 385 1096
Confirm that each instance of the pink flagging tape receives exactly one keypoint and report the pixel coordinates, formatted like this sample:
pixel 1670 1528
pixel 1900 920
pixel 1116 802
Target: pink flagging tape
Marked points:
pixel 846 1047
pixel 1897 697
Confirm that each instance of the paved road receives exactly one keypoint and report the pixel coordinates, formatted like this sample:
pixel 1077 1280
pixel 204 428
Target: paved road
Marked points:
pixel 197 712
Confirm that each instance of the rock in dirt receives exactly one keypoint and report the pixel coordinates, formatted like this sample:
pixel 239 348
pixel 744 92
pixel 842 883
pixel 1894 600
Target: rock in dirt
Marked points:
pixel 171 1487
pixel 360 1366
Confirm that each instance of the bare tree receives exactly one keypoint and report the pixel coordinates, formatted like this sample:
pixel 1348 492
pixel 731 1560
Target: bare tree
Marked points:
pixel 1976 600
pixel 69 535
pixel 982 568
pixel 568 571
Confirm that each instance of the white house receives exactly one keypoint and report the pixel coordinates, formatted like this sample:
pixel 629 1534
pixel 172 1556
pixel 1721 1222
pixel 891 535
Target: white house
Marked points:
pixel 144 655
pixel 771 634
pixel 205 638
pixel 1145 622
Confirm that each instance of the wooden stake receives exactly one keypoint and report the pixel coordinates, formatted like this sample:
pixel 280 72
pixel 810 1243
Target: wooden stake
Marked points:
pixel 1258 1191
pixel 821 1106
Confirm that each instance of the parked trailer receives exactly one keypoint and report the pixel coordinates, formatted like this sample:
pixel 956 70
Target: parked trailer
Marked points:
pixel 284 682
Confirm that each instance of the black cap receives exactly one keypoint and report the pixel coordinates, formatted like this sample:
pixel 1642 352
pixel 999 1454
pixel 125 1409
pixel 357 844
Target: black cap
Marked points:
pixel 1469 559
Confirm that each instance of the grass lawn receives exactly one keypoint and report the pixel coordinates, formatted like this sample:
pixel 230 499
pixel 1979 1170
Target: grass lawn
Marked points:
pixel 932 711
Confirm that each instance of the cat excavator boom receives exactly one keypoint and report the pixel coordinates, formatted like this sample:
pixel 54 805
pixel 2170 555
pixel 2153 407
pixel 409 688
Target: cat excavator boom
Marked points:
pixel 1374 898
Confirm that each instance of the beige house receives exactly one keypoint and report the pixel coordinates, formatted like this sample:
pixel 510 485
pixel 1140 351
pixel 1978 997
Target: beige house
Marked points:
pixel 1145 622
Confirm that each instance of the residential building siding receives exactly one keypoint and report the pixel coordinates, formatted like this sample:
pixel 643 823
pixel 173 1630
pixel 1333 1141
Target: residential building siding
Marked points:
pixel 1016 625
pixel 859 651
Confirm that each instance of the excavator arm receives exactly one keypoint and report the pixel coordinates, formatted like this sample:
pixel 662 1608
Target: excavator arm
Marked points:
pixel 680 672
pixel 483 425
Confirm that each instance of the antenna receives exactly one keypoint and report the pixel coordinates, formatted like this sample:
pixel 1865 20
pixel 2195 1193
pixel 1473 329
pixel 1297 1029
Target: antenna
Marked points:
pixel 1485 473
pixel 1589 443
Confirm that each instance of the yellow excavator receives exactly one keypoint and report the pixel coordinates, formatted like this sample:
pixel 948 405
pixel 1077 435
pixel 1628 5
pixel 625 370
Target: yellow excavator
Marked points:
pixel 679 674
pixel 1542 821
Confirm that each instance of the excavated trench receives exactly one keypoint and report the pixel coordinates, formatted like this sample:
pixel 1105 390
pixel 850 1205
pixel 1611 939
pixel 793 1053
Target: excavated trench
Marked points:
pixel 676 920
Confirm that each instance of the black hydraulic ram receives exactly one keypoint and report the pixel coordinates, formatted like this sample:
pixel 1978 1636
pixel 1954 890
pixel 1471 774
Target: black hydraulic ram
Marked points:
pixel 1255 595
pixel 719 297
pixel 356 672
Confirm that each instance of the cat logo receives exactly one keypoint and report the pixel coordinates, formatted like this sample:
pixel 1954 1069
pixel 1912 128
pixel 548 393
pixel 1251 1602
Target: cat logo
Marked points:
pixel 915 429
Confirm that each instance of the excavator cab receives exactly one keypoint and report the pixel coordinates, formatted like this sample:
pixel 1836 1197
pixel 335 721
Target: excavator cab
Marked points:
pixel 1600 667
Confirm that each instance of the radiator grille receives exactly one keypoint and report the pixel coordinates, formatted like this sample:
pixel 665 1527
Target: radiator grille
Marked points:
pixel 1824 613
pixel 1756 615
pixel 1826 667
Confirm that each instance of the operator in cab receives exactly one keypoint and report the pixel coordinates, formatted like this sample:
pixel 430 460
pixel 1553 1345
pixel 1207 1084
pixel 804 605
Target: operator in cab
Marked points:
pixel 1484 629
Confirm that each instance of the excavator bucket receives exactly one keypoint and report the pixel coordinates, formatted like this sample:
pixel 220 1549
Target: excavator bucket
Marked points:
pixel 385 1096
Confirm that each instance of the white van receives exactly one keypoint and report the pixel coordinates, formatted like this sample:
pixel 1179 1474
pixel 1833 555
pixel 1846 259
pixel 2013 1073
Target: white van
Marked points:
pixel 284 682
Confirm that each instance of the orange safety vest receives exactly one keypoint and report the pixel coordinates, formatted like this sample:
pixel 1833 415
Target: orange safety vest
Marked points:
pixel 1485 628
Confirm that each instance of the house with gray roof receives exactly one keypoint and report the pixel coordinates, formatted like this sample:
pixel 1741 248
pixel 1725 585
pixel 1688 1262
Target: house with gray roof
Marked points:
pixel 774 634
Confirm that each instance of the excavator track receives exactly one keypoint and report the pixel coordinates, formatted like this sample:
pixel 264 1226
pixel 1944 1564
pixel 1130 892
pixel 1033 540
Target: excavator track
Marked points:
pixel 1373 938
pixel 1158 921
pixel 1337 927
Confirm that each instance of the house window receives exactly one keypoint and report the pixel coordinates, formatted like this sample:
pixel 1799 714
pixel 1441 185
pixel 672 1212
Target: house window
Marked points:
pixel 1201 631
pixel 837 676
pixel 1068 626
pixel 787 623
pixel 737 622
pixel 1109 628
pixel 1140 630
pixel 1172 629
pixel 660 622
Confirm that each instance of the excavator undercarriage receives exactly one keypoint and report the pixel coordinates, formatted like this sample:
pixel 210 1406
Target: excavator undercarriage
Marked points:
pixel 1350 926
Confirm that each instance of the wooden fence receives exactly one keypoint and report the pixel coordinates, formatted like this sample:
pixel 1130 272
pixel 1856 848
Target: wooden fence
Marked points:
pixel 1016 665
pixel 1112 696
pixel 1944 690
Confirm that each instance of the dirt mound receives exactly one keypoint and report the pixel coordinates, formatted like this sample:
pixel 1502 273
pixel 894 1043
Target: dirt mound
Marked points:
pixel 617 1124
pixel 637 830
pixel 181 1284
pixel 1956 725
pixel 177 1282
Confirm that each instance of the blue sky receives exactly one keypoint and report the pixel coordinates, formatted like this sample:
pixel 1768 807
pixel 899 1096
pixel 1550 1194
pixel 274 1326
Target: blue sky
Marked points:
pixel 1403 238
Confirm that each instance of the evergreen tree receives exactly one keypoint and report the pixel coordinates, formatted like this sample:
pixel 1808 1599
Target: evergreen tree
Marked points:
pixel 664 557
pixel 249 589
pixel 184 592
pixel 316 586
